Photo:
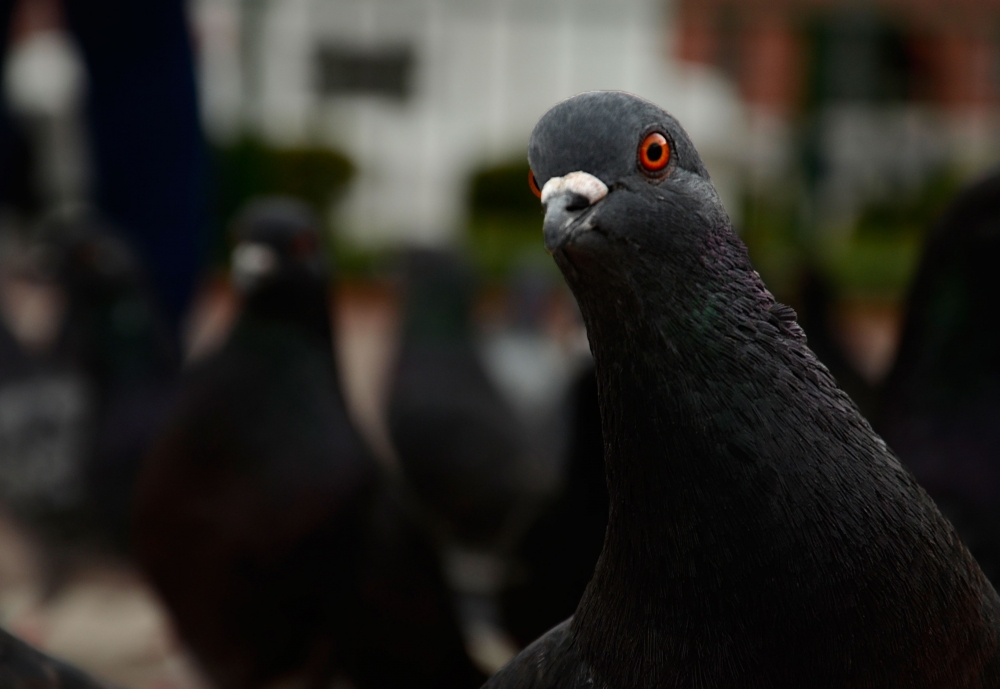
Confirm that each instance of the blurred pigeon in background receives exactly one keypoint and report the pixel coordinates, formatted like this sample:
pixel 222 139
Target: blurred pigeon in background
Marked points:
pixel 940 408
pixel 262 518
pixel 462 447
pixel 532 370
pixel 116 333
pixel 555 560
pixel 80 403
pixel 458 440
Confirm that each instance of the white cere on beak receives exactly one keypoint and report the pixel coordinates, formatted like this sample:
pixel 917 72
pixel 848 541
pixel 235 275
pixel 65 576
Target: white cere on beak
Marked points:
pixel 251 262
pixel 582 183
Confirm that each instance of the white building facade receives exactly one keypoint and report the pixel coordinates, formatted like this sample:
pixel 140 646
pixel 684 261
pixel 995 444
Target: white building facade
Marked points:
pixel 418 93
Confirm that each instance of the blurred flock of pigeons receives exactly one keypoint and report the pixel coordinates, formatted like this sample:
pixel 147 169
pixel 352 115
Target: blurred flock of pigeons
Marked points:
pixel 286 550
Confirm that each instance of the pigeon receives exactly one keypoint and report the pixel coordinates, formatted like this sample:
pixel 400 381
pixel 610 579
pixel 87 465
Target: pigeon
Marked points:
pixel 760 533
pixel 23 667
pixel 77 416
pixel 533 369
pixel 261 516
pixel 458 440
pixel 44 423
pixel 940 406
pixel 555 560
pixel 461 446
pixel 117 336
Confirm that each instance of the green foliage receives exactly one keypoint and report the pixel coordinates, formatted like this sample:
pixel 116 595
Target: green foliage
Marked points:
pixel 362 263
pixel 875 267
pixel 505 219
pixel 771 231
pixel 251 168
pixel 503 190
pixel 908 216
pixel 883 250
pixel 875 257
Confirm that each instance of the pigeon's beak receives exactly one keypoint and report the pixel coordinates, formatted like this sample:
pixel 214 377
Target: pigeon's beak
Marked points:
pixel 565 200
pixel 251 263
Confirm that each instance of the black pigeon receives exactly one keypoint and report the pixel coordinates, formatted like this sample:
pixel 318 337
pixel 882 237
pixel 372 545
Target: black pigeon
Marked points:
pixel 261 516
pixel 760 533
pixel 23 667
pixel 44 424
pixel 941 402
pixel 555 560
pixel 76 418
pixel 116 335
pixel 458 441
pixel 460 444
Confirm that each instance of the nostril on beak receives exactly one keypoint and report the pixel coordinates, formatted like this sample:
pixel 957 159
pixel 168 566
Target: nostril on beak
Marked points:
pixel 577 202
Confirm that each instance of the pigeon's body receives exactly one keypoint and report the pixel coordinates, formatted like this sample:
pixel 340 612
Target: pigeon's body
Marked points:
pixel 760 533
pixel 46 414
pixel 940 407
pixel 262 518
pixel 455 439
pixel 118 341
pixel 76 417
pixel 459 442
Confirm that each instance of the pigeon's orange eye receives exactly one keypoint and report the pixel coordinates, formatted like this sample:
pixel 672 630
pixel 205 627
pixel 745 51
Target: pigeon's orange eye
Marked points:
pixel 533 184
pixel 654 152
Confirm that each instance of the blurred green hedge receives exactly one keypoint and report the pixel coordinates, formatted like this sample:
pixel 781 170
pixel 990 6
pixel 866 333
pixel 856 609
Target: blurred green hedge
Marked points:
pixel 873 258
pixel 250 168
pixel 505 219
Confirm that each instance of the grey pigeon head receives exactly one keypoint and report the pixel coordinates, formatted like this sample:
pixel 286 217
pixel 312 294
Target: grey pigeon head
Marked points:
pixel 619 174
pixel 276 238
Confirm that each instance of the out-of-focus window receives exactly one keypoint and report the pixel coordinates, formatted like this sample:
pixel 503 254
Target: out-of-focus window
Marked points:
pixel 379 71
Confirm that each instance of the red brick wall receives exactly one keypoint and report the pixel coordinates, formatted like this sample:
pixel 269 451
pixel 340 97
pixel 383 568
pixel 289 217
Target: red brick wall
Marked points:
pixel 761 44
pixel 770 63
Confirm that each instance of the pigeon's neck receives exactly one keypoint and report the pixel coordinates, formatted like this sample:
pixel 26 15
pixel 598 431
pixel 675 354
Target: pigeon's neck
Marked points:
pixel 681 383
pixel 299 304
pixel 705 384
pixel 437 317
pixel 686 369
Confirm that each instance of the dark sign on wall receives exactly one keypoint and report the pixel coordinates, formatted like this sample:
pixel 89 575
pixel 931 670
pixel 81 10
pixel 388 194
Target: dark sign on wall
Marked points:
pixel 378 71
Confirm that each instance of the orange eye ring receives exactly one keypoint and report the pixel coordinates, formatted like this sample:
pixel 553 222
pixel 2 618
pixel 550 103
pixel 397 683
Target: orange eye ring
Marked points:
pixel 654 153
pixel 535 189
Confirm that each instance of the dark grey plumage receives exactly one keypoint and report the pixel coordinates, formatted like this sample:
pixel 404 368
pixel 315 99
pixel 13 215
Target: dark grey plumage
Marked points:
pixel 815 316
pixel 760 533
pixel 117 336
